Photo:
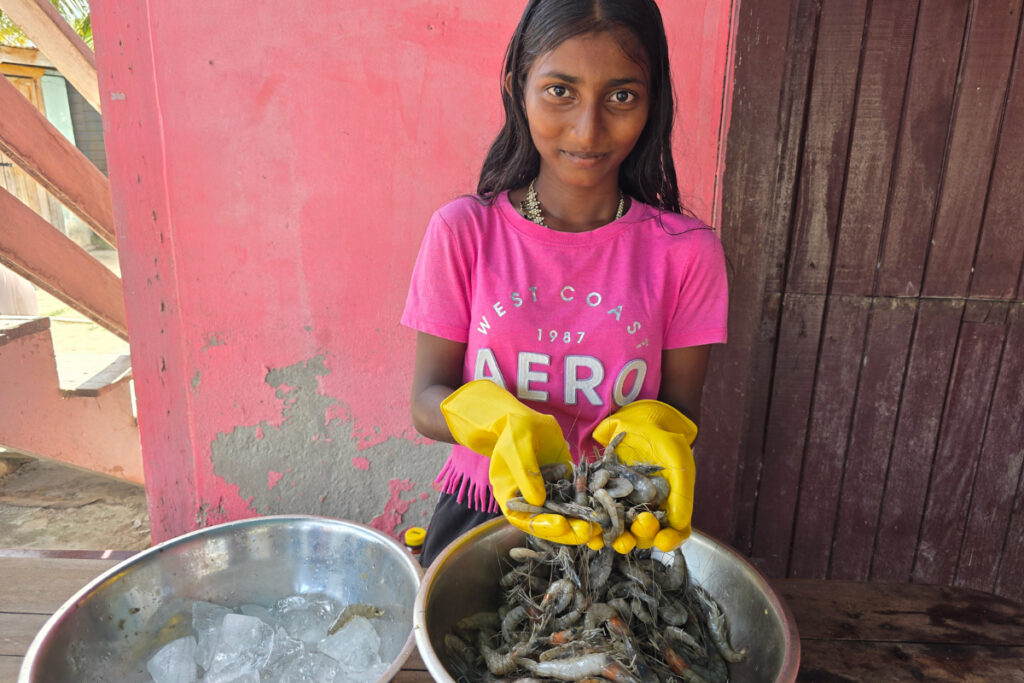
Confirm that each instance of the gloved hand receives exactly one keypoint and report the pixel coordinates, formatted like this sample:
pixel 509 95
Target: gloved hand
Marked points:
pixel 658 434
pixel 519 440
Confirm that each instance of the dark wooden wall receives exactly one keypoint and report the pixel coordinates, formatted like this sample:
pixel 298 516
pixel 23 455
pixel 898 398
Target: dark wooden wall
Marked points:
pixel 866 419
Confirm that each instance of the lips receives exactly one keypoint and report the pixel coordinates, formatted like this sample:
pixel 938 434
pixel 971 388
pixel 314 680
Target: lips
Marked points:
pixel 584 159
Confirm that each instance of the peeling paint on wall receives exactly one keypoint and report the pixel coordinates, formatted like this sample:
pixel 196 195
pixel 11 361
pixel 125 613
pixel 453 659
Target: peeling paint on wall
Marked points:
pixel 312 462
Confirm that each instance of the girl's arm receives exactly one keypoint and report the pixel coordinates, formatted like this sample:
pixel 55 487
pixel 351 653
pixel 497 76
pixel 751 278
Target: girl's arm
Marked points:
pixel 682 379
pixel 437 374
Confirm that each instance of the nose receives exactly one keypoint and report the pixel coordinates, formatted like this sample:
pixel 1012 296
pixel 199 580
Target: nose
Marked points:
pixel 588 124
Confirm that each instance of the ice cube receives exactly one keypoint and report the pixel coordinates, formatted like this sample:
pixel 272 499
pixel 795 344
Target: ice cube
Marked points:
pixel 356 646
pixel 233 676
pixel 243 642
pixel 260 612
pixel 285 650
pixel 305 618
pixel 175 662
pixel 206 620
pixel 310 667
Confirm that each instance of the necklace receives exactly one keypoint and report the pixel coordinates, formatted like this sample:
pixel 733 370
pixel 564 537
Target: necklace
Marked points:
pixel 530 206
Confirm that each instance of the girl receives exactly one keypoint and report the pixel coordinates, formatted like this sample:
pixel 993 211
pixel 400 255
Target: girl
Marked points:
pixel 569 300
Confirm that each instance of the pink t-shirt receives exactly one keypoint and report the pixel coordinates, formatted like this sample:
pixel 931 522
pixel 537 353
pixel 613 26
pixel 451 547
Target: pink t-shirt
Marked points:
pixel 572 324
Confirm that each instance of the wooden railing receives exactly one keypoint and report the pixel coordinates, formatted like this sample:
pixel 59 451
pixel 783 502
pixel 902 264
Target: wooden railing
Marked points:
pixel 28 244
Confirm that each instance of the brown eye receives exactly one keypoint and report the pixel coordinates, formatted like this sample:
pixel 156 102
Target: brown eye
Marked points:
pixel 623 97
pixel 558 90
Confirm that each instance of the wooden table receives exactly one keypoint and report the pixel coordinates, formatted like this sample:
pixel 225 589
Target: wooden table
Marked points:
pixel 849 631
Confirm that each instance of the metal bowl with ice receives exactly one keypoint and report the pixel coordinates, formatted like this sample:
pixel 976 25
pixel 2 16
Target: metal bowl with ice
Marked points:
pixel 113 626
pixel 463 580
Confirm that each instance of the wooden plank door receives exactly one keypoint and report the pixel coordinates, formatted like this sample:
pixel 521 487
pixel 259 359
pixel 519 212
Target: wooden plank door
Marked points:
pixel 870 402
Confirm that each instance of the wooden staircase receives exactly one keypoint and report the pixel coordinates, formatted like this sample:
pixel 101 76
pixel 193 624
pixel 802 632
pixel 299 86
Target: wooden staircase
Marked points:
pixel 73 414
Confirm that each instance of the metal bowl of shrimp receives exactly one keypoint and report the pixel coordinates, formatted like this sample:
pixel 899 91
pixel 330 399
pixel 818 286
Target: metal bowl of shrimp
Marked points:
pixel 110 628
pixel 465 581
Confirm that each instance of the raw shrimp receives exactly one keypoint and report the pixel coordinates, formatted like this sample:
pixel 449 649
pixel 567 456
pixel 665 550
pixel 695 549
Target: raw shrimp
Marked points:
pixel 615 527
pixel 576 668
pixel 619 487
pixel 497 663
pixel 353 611
pixel 719 629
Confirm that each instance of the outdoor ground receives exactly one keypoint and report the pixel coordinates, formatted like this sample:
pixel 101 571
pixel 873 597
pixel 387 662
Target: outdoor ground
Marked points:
pixel 49 505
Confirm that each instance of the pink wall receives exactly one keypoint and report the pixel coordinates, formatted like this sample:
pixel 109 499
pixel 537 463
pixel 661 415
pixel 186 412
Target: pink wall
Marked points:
pixel 273 171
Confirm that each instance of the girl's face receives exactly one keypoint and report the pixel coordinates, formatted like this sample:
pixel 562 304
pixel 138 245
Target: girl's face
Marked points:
pixel 587 103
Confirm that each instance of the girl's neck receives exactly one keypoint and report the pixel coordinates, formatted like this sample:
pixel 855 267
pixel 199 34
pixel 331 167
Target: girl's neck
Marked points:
pixel 571 208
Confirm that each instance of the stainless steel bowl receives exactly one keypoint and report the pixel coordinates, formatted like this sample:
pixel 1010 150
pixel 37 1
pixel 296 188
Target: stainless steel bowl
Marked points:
pixel 108 630
pixel 464 579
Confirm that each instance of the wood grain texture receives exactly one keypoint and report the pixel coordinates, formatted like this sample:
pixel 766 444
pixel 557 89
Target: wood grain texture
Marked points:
pixel 835 388
pixel 874 424
pixel 983 78
pixel 40 586
pixel 854 610
pixel 920 152
pixel 1000 256
pixel 917 431
pixel 792 386
pixel 876 123
pixel 826 143
pixel 998 480
pixel 910 663
pixel 772 64
pixel 968 398
pixel 32 248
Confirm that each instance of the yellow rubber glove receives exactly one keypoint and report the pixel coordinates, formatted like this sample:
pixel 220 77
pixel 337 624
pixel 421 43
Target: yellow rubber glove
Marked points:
pixel 519 440
pixel 658 434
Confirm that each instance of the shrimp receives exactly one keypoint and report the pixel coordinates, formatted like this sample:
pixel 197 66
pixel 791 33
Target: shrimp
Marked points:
pixel 676 633
pixel 680 667
pixel 575 668
pixel 580 483
pixel 559 470
pixel 609 455
pixel 673 575
pixel 525 554
pixel 597 614
pixel 520 505
pixel 615 527
pixel 672 611
pixel 480 621
pixel 497 663
pixel 557 596
pixel 601 567
pixel 719 629
pixel 621 606
pixel 512 620
pixel 598 480
pixel 566 620
pixel 353 611
pixel 619 487
pixel 663 487
pixel 643 489
pixel 572 510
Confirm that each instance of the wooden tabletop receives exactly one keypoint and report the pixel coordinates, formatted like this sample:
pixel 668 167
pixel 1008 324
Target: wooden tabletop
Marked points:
pixel 849 631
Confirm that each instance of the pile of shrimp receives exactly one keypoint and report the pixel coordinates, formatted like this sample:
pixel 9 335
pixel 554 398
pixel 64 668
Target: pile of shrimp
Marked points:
pixel 574 613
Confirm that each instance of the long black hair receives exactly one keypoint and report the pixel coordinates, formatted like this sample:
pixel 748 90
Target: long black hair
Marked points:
pixel 648 173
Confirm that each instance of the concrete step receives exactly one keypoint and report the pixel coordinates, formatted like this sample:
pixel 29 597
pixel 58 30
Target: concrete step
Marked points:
pixel 82 415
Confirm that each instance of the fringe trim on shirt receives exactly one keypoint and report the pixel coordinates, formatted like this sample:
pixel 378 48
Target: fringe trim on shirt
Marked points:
pixel 468 492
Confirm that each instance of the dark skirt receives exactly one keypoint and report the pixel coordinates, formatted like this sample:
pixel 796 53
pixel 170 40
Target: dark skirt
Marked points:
pixel 451 519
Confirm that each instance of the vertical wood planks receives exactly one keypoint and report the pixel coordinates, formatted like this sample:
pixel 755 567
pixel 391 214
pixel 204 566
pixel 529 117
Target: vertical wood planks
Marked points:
pixel 1001 250
pixel 871 434
pixel 972 143
pixel 999 469
pixel 968 397
pixel 875 130
pixel 772 64
pixel 835 386
pixel 921 149
pixel 827 138
pixel 917 431
pixel 792 385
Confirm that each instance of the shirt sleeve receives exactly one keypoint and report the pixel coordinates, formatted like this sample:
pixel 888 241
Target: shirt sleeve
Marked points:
pixel 702 308
pixel 438 300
